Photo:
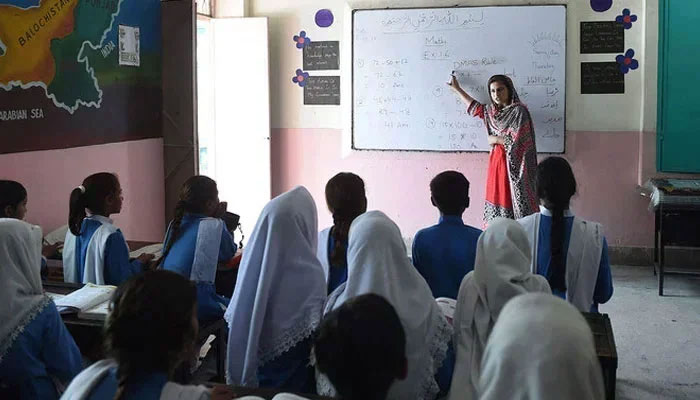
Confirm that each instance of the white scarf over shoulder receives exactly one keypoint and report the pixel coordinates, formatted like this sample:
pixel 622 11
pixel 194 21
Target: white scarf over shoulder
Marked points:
pixel 93 269
pixel 280 291
pixel 501 272
pixel 21 294
pixel 541 348
pixel 378 263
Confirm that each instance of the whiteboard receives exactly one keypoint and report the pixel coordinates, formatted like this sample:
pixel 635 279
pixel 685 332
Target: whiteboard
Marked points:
pixel 402 59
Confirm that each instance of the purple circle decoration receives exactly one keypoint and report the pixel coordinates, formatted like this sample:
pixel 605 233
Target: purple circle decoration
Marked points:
pixel 324 18
pixel 601 5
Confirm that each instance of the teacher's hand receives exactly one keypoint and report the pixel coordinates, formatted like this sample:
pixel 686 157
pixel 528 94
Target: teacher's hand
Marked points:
pixel 453 83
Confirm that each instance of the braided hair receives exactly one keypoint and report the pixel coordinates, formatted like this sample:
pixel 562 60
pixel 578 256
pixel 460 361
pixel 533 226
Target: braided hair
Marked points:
pixel 555 186
pixel 346 200
pixel 152 326
pixel 195 195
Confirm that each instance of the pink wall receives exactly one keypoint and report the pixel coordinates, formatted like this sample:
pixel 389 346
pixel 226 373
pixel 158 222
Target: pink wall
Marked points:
pixel 605 164
pixel 50 175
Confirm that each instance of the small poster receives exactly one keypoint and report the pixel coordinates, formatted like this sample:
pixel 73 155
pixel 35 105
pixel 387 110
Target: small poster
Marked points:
pixel 602 78
pixel 602 37
pixel 129 46
pixel 322 56
pixel 322 90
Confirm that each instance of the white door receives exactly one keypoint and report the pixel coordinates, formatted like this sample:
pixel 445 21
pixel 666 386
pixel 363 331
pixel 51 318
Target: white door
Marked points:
pixel 237 94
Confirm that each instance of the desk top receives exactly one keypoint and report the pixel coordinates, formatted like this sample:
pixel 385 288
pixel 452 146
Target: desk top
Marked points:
pixel 674 193
pixel 604 339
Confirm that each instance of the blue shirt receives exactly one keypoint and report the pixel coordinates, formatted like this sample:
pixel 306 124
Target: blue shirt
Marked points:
pixel 337 274
pixel 603 287
pixel 444 253
pixel 145 386
pixel 181 257
pixel 42 351
pixel 291 371
pixel 117 267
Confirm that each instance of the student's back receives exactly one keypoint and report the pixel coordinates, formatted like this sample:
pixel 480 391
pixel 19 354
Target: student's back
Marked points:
pixel 36 350
pixel 445 253
pixel 570 252
pixel 196 243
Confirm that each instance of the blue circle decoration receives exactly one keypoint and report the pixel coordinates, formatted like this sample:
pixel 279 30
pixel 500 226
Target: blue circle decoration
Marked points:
pixel 324 18
pixel 601 5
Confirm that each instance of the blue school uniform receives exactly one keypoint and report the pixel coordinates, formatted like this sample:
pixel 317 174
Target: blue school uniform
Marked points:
pixel 444 253
pixel 603 287
pixel 44 351
pixel 291 371
pixel 145 385
pixel 196 254
pixel 116 265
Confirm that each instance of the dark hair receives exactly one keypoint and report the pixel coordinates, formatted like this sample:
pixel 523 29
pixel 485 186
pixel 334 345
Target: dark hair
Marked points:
pixel 555 185
pixel 504 80
pixel 11 194
pixel 345 197
pixel 97 188
pixel 361 348
pixel 150 325
pixel 195 193
pixel 450 192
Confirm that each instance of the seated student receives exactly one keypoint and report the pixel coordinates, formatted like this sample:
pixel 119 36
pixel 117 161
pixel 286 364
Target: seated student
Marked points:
pixel 361 348
pixel 278 300
pixel 150 330
pixel 36 350
pixel 377 263
pixel 540 348
pixel 345 197
pixel 13 204
pixel 197 241
pixel 502 272
pixel 570 252
pixel 95 250
pixel 444 253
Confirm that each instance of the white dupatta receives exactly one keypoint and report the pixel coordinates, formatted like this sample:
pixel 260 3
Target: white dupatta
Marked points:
pixel 279 295
pixel 93 269
pixel 501 272
pixel 582 258
pixel 378 263
pixel 541 348
pixel 22 297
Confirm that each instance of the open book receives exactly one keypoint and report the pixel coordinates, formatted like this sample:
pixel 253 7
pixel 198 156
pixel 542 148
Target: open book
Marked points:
pixel 58 235
pixel 90 301
pixel 155 249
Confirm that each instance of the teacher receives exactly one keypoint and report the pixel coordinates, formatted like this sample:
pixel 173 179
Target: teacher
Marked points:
pixel 510 187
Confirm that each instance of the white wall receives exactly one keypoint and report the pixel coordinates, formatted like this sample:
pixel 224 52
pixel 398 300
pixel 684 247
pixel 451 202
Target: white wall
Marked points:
pixel 584 112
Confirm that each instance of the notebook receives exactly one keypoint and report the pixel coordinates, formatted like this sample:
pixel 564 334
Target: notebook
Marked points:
pixel 155 249
pixel 89 302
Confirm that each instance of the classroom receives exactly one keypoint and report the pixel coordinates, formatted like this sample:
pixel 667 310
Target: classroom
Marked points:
pixel 328 138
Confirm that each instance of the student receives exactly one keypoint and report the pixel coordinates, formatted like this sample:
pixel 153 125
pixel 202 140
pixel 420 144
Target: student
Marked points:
pixel 150 330
pixel 570 252
pixel 377 263
pixel 540 348
pixel 36 350
pixel 501 273
pixel 345 197
pixel 361 348
pixel 444 253
pixel 95 250
pixel 197 241
pixel 278 300
pixel 13 204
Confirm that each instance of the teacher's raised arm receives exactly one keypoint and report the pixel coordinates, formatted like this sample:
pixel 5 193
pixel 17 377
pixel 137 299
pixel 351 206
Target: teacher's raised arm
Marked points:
pixel 454 84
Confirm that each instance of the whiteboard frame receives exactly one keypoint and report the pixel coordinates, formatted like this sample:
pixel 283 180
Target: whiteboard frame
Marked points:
pixel 349 139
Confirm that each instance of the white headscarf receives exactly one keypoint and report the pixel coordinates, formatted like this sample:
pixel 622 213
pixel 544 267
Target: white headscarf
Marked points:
pixel 541 348
pixel 378 263
pixel 501 272
pixel 21 295
pixel 281 288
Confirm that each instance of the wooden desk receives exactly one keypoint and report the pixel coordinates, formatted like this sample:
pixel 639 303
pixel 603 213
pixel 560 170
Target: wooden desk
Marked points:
pixel 605 349
pixel 88 333
pixel 676 207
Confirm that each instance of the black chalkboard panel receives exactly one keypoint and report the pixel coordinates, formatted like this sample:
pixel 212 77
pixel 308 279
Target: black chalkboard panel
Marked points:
pixel 322 90
pixel 322 56
pixel 602 37
pixel 601 78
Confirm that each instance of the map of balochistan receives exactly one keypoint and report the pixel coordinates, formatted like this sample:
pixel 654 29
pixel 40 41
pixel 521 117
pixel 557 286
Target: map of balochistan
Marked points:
pixel 61 82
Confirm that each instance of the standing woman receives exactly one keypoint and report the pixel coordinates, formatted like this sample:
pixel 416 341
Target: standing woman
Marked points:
pixel 510 188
